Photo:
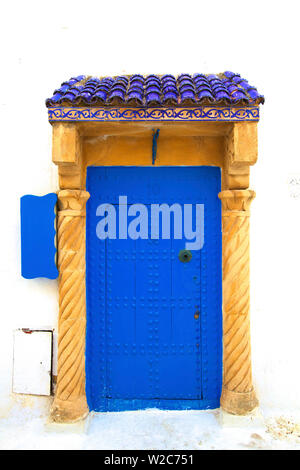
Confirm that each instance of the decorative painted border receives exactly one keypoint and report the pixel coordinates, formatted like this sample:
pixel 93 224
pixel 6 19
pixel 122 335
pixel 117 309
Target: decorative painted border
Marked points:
pixel 154 114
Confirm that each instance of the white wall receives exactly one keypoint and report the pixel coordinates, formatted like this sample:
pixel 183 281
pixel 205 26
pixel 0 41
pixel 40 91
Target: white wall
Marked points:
pixel 43 44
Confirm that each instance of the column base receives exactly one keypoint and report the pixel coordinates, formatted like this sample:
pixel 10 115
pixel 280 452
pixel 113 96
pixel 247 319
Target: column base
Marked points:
pixel 69 411
pixel 238 403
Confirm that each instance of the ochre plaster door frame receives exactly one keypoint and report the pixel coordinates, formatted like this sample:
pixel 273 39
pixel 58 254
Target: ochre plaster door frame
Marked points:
pixel 230 145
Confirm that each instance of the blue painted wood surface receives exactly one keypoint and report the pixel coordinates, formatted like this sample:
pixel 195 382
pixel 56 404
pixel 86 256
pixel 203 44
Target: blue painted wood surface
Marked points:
pixel 38 236
pixel 145 348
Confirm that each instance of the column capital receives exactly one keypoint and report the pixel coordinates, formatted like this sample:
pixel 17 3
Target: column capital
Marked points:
pixel 236 200
pixel 72 202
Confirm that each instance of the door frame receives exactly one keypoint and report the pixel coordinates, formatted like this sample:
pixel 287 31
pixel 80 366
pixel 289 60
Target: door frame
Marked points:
pixel 230 145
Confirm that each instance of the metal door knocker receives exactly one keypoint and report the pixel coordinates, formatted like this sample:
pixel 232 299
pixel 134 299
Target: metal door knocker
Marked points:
pixel 185 256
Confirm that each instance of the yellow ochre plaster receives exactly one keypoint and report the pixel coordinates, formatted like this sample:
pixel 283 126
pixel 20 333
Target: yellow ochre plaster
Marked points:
pixel 232 146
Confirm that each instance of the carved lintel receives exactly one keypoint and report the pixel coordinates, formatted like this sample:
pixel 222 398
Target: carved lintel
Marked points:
pixel 70 399
pixel 242 144
pixel 240 154
pixel 67 154
pixel 65 144
pixel 238 396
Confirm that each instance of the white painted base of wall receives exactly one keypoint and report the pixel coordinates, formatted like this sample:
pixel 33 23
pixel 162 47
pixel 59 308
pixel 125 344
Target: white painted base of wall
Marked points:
pixel 26 426
pixel 253 419
pixel 78 428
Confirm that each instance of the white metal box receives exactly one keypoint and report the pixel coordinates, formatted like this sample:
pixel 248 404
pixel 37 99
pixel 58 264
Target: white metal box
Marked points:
pixel 32 366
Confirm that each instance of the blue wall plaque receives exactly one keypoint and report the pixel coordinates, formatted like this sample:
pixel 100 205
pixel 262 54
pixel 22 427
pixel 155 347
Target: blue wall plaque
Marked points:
pixel 38 236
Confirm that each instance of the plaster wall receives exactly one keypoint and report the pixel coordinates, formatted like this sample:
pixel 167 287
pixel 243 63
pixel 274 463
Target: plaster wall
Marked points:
pixel 55 43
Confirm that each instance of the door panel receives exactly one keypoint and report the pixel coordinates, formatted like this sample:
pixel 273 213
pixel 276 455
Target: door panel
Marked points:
pixel 153 322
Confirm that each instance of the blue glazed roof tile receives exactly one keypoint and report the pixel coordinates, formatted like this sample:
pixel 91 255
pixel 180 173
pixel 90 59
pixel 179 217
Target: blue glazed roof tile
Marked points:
pixel 137 90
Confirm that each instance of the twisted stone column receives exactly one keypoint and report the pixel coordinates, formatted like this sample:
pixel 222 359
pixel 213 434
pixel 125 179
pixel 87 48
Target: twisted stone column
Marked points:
pixel 238 396
pixel 70 399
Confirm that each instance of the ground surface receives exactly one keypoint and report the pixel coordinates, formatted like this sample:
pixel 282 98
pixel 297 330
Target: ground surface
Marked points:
pixel 25 427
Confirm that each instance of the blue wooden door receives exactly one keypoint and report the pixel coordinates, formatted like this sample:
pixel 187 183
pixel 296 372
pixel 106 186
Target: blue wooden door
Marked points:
pixel 153 320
